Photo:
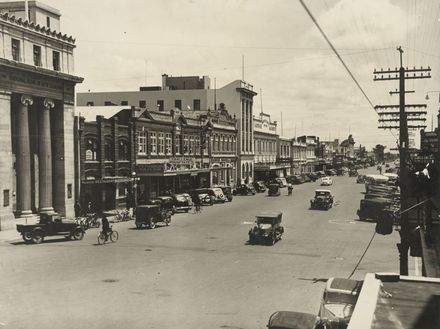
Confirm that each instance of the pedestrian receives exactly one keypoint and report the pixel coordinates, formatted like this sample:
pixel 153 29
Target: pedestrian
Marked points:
pixel 77 208
pixel 89 208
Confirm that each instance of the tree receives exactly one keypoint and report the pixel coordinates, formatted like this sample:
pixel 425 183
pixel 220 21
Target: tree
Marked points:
pixel 379 152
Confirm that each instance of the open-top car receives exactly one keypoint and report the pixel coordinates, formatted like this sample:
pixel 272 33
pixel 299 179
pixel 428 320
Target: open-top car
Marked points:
pixel 149 215
pixel 323 200
pixel 268 229
pixel 50 224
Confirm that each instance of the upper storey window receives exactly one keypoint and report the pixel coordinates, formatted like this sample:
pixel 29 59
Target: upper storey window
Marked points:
pixel 56 60
pixel 48 21
pixel 37 55
pixel 15 49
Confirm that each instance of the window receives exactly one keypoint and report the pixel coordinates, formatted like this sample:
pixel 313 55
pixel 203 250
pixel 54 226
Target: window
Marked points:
pixel 90 104
pixel 143 104
pixel 160 105
pixel 56 60
pixel 196 105
pixel 124 103
pixel 178 104
pixel 185 144
pixel 153 143
pixel 161 143
pixel 123 150
pixel 48 21
pixel 69 191
pixel 15 49
pixel 142 142
pixel 191 145
pixel 168 144
pixel 108 156
pixel 5 198
pixel 177 142
pixel 108 103
pixel 197 145
pixel 37 55
pixel 121 190
pixel 91 150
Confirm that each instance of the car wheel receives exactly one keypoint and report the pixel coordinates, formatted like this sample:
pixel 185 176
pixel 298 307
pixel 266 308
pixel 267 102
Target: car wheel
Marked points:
pixel 78 234
pixel 138 226
pixel 151 224
pixel 167 220
pixel 27 237
pixel 37 237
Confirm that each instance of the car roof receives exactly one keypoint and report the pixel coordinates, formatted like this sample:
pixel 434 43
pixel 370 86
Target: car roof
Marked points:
pixel 292 320
pixel 377 176
pixel 341 285
pixel 269 214
pixel 320 190
pixel 149 206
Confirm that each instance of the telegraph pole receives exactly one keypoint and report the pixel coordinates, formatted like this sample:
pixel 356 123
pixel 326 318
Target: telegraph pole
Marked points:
pixel 402 116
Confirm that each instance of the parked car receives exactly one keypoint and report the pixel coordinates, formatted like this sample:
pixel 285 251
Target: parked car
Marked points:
pixel 219 197
pixel 360 179
pixel 313 176
pixel 352 173
pixel 323 200
pixel 338 301
pixel 330 172
pixel 320 173
pixel 244 189
pixel 259 186
pixel 227 191
pixel 305 177
pixel 274 190
pixel 268 228
pixel 182 201
pixel 375 208
pixel 326 181
pixel 296 179
pixel 149 215
pixel 166 202
pixel 50 225
pixel 340 172
pixel 292 320
pixel 282 182
pixel 203 197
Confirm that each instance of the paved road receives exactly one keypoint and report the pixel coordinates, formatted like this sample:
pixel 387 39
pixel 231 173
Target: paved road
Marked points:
pixel 197 273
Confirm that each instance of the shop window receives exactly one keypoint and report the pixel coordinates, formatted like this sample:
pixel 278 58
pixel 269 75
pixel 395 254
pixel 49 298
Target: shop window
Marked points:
pixel 160 105
pixel 91 150
pixel 143 104
pixel 142 142
pixel 5 198
pixel 37 55
pixel 56 60
pixel 178 104
pixel 153 143
pixel 15 44
pixel 108 154
pixel 121 190
pixel 123 150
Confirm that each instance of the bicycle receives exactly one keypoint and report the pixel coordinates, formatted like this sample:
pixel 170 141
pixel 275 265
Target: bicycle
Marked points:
pixel 103 237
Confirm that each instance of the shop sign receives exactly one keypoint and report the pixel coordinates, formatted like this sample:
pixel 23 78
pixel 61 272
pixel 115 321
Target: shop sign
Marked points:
pixel 182 160
pixel 150 169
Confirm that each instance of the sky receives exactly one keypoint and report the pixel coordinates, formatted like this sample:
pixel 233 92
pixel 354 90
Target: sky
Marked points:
pixel 122 45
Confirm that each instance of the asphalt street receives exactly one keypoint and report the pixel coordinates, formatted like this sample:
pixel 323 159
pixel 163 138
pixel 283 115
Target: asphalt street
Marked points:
pixel 199 272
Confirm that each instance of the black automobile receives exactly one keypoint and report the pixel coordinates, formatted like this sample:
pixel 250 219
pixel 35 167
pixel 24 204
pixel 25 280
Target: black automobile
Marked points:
pixel 149 215
pixel 320 173
pixel 244 189
pixel 182 201
pixel 323 200
pixel 305 177
pixel 313 176
pixel 268 229
pixel 227 191
pixel 274 190
pixel 296 179
pixel 330 172
pixel 352 173
pixel 259 186
pixel 166 202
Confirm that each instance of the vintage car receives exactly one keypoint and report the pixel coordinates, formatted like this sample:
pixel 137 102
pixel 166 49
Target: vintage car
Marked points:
pixel 296 179
pixel 202 196
pixel 268 229
pixel 330 172
pixel 182 202
pixel 376 208
pixel 49 225
pixel 282 182
pixel 292 320
pixel 338 301
pixel 320 173
pixel 273 190
pixel 340 172
pixel 313 176
pixel 326 181
pixel 352 173
pixel 149 215
pixel 164 201
pixel 360 179
pixel 305 177
pixel 393 178
pixel 323 200
pixel 218 194
pixel 227 191
pixel 244 189
pixel 259 186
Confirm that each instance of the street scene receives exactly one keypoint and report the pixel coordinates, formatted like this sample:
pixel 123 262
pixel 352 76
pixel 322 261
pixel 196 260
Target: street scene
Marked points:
pixel 219 164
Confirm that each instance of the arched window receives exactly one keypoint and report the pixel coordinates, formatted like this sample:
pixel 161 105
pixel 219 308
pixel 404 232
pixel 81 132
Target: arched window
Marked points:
pixel 123 150
pixel 91 149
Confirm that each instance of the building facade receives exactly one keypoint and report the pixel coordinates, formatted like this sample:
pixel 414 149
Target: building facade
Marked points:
pixel 311 158
pixel 284 156
pixel 265 146
pixel 37 84
pixel 298 156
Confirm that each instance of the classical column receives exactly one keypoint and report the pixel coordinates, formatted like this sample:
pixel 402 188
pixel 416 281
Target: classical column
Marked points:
pixel 45 157
pixel 23 158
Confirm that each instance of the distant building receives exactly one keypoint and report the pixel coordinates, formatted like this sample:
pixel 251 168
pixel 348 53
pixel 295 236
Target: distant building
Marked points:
pixel 299 156
pixel 347 148
pixel 311 158
pixel 265 146
pixel 37 95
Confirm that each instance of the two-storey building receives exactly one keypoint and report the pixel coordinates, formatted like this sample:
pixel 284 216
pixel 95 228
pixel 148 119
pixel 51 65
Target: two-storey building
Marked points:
pixel 311 158
pixel 298 156
pixel 284 156
pixel 37 84
pixel 265 146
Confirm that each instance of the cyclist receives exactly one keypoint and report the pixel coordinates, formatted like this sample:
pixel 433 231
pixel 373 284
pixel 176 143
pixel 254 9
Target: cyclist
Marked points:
pixel 105 226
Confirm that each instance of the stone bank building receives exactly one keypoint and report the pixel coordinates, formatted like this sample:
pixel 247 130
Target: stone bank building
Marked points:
pixel 37 88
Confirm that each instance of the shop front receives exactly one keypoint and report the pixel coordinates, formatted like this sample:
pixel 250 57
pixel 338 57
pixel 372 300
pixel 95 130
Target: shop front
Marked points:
pixel 222 173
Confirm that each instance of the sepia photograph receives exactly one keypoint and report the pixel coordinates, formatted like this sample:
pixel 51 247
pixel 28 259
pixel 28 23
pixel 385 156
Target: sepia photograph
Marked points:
pixel 220 164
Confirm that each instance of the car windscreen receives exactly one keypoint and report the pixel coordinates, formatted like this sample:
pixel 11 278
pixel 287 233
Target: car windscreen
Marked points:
pixel 339 298
pixel 265 220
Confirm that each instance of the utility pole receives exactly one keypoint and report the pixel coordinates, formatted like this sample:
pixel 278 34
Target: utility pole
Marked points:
pixel 402 116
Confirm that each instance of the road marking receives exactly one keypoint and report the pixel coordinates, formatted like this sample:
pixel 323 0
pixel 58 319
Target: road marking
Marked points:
pixel 247 223
pixel 341 221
